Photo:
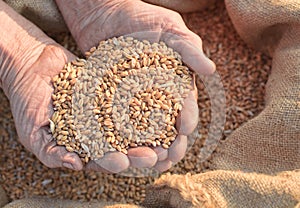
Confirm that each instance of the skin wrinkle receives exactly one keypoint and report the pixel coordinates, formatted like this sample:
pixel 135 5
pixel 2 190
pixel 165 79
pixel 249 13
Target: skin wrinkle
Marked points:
pixel 146 25
pixel 85 20
pixel 49 148
pixel 25 37
pixel 39 137
pixel 10 73
pixel 84 46
pixel 52 54
pixel 17 113
pixel 26 70
pixel 103 29
pixel 32 99
pixel 5 63
pixel 160 26
pixel 47 84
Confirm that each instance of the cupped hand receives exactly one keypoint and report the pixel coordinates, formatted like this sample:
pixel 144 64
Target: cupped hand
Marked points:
pixel 28 61
pixel 102 19
pixel 30 100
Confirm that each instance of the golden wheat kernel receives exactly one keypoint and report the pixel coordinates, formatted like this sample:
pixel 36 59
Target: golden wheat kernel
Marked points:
pixel 108 123
pixel 69 149
pixel 139 108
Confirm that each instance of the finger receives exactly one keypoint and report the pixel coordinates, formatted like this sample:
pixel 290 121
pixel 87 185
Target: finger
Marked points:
pixel 53 57
pixel 161 153
pixel 189 45
pixel 113 162
pixel 92 166
pixel 142 157
pixel 163 165
pixel 178 149
pixel 187 119
pixel 54 156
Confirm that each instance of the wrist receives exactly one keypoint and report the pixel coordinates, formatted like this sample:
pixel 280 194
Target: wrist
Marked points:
pixel 21 43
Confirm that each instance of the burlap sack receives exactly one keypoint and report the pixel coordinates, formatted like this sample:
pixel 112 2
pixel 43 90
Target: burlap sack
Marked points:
pixel 270 142
pixel 47 202
pixel 226 189
pixel 3 198
pixel 42 202
pixel 45 14
pixel 267 25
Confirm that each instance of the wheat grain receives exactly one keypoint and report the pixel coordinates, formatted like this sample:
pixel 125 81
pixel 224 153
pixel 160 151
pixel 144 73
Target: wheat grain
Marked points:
pixel 126 94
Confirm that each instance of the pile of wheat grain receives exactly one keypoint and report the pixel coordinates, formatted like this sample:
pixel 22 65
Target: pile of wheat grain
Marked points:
pixel 127 93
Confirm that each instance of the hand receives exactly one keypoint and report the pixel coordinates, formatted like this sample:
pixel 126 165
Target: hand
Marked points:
pixel 99 20
pixel 28 61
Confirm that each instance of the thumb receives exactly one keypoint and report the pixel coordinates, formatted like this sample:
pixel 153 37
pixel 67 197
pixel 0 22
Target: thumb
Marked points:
pixel 189 45
pixel 187 120
pixel 54 156
pixel 112 162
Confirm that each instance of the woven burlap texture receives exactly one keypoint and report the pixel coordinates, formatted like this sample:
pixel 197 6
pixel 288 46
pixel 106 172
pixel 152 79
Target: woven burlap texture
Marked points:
pixel 57 203
pixel 227 189
pixel 43 13
pixel 3 197
pixel 270 142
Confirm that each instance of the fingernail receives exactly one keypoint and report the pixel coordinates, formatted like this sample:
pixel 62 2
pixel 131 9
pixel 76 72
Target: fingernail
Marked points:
pixel 68 165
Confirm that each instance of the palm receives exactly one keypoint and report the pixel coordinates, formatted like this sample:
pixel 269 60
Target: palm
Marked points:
pixel 31 108
pixel 142 21
pixel 99 21
pixel 131 17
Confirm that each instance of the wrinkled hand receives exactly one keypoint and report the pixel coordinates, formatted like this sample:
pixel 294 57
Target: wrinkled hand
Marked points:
pixel 102 19
pixel 28 61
